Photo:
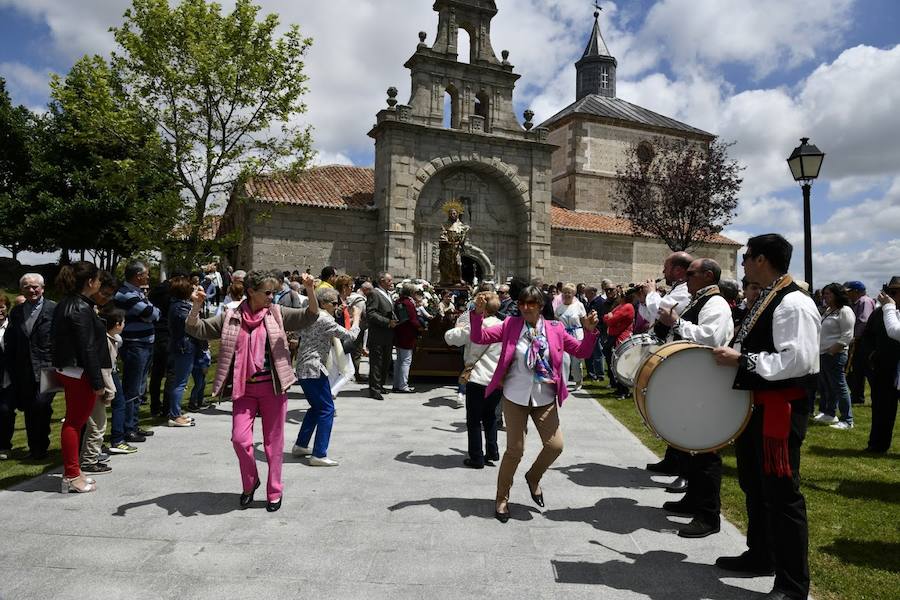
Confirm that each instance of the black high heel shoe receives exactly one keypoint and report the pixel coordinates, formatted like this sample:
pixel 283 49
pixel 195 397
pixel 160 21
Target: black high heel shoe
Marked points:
pixel 273 506
pixel 247 498
pixel 538 498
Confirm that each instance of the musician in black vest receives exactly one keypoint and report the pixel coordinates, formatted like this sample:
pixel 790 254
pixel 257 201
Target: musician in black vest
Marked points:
pixel 776 350
pixel 675 273
pixel 706 320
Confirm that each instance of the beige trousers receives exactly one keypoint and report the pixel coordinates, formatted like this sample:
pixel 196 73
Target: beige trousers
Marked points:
pixel 94 430
pixel 546 421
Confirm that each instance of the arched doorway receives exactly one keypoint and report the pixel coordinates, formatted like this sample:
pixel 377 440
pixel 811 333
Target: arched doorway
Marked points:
pixel 471 270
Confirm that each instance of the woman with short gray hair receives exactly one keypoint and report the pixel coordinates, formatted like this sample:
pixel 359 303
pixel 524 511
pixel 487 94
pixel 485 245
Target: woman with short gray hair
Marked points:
pixel 254 359
pixel 405 334
pixel 312 354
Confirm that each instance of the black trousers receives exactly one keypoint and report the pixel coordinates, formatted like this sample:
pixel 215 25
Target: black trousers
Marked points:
pixel 157 373
pixel 703 472
pixel 857 375
pixel 481 414
pixel 38 409
pixel 379 365
pixel 884 410
pixel 7 418
pixel 777 530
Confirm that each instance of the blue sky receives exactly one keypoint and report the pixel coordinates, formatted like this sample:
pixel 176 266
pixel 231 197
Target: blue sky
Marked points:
pixel 761 73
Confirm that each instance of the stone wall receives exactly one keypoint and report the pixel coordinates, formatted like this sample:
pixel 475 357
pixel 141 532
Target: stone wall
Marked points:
pixel 589 257
pixel 285 237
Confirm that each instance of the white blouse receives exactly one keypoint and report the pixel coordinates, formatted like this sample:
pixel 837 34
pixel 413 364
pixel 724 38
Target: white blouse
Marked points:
pixel 837 328
pixel 519 386
pixel 570 316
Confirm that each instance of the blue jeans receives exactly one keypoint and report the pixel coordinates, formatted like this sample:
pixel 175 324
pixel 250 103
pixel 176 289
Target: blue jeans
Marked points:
pixel 833 386
pixel 136 358
pixel 319 417
pixel 401 368
pixel 180 367
pixel 595 362
pixel 119 417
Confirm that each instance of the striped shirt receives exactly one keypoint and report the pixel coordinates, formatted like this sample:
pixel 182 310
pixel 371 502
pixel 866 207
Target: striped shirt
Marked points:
pixel 140 314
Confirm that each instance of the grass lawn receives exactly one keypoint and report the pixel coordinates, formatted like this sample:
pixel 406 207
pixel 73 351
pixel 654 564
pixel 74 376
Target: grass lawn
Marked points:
pixel 853 503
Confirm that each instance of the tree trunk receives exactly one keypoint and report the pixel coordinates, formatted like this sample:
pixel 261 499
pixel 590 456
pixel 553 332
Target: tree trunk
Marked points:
pixel 64 257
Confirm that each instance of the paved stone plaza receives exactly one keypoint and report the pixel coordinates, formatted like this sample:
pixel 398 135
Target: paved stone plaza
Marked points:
pixel 400 518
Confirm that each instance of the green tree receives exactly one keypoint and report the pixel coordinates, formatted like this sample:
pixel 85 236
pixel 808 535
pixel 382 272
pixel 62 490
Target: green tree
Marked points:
pixel 221 89
pixel 678 190
pixel 17 129
pixel 104 171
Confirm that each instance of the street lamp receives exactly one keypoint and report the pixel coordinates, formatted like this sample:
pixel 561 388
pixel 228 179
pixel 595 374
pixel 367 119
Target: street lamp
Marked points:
pixel 805 162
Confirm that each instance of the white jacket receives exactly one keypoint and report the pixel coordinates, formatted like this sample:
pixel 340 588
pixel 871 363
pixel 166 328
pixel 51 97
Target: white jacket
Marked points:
pixel 489 355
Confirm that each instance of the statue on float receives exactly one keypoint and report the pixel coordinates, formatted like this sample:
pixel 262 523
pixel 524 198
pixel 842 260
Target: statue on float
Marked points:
pixel 453 240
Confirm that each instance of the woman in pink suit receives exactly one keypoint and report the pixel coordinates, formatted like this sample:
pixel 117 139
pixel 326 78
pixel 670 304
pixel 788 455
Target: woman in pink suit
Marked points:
pixel 530 373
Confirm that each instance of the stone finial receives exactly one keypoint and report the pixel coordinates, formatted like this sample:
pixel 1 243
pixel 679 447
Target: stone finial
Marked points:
pixel 422 36
pixel 505 55
pixel 392 97
pixel 529 115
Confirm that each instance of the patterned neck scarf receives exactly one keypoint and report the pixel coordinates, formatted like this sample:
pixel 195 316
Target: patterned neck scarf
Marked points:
pixel 765 297
pixel 701 293
pixel 537 358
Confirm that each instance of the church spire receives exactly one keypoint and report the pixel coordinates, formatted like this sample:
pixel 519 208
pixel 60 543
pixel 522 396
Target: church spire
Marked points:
pixel 596 70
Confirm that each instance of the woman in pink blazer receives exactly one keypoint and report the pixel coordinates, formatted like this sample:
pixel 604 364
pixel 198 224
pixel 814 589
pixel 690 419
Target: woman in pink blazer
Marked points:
pixel 530 373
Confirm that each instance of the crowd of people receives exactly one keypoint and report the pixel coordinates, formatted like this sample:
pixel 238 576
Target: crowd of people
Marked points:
pixel 109 345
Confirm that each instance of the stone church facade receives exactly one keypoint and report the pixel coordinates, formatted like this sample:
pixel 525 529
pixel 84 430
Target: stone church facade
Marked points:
pixel 537 198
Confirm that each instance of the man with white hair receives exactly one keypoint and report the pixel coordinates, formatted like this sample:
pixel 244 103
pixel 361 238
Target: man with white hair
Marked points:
pixel 28 344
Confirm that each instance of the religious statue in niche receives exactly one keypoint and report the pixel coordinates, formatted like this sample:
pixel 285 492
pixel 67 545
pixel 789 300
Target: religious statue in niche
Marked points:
pixel 454 237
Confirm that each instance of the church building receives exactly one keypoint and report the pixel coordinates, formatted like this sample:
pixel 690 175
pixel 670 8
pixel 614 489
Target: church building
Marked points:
pixel 536 197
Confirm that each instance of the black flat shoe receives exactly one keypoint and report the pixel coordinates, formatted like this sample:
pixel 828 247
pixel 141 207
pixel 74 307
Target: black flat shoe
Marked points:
pixel 503 517
pixel 273 506
pixel 680 485
pixel 247 498
pixel 664 467
pixel 538 498
pixel 472 464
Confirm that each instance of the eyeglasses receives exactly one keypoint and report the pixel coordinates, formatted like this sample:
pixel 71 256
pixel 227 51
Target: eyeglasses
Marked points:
pixel 266 292
pixel 746 256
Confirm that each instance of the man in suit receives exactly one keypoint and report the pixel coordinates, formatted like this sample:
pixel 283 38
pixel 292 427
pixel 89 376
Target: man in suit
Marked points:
pixel 382 320
pixel 28 342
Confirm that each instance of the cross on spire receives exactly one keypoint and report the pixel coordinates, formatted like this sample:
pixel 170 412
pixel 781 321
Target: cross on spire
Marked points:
pixel 599 8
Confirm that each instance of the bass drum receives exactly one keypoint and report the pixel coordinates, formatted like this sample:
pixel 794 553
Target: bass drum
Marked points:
pixel 627 358
pixel 686 399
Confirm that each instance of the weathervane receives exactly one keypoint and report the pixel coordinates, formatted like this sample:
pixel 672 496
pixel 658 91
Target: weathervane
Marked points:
pixel 599 8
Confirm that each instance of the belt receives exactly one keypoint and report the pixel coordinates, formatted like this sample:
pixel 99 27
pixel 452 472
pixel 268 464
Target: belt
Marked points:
pixel 261 377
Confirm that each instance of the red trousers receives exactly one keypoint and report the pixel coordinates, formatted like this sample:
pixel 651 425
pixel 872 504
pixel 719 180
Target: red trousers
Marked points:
pixel 80 400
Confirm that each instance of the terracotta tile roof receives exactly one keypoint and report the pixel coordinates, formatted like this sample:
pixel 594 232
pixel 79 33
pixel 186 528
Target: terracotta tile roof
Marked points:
pixel 574 220
pixel 331 186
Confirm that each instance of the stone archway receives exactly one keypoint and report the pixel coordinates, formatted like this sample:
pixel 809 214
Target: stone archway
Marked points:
pixel 496 208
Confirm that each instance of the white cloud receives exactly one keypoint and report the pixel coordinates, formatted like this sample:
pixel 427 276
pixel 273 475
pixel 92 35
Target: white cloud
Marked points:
pixel 873 266
pixel 331 158
pixel 869 220
pixel 25 84
pixel 764 34
pixel 76 28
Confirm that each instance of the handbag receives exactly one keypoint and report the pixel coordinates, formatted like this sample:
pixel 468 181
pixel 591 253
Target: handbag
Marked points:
pixel 467 370
pixel 50 383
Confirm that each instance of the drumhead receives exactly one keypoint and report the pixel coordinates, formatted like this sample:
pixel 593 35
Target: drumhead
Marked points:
pixel 690 403
pixel 630 354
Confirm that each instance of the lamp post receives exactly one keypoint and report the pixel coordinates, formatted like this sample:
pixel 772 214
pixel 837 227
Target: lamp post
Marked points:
pixel 805 162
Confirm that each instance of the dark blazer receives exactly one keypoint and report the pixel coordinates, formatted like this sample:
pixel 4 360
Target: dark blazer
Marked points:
pixel 379 311
pixel 27 354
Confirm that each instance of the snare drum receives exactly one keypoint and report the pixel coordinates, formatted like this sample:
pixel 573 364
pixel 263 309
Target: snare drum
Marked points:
pixel 686 398
pixel 629 355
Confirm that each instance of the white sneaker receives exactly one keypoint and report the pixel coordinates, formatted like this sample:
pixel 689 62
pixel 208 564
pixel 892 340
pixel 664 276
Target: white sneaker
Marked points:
pixel 460 400
pixel 299 451
pixel 315 461
pixel 842 425
pixel 823 419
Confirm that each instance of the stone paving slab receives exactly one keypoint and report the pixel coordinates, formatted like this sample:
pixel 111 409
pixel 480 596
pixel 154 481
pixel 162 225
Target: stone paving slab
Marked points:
pixel 400 518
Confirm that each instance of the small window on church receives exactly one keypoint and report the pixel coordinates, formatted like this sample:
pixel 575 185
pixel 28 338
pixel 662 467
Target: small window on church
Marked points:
pixel 604 78
pixel 645 153
pixel 482 108
pixel 463 46
pixel 451 108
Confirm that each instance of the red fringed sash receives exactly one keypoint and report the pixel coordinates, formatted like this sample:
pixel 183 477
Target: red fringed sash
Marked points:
pixel 776 428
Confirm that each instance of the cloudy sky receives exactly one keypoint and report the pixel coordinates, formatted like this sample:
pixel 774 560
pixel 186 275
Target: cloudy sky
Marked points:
pixel 761 73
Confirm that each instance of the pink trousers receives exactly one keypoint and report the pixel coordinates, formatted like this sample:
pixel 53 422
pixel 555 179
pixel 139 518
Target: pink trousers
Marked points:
pixel 273 409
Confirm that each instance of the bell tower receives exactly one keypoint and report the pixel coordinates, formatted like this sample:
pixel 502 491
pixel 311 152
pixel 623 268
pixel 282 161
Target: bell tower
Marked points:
pixel 596 70
pixel 480 88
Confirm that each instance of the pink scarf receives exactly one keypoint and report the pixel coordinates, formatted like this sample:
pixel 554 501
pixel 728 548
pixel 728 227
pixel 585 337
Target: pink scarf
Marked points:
pixel 250 348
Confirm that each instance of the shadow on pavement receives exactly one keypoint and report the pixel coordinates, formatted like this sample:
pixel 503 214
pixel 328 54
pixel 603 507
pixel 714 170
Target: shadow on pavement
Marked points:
pixel 459 427
pixel 470 507
pixel 188 504
pixel 295 416
pixel 435 461
pixel 438 401
pixel 42 482
pixel 657 574
pixel 615 515
pixel 597 475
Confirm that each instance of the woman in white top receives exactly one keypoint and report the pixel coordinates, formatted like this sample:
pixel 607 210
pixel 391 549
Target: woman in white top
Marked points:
pixel 569 312
pixel 891 323
pixel 836 335
pixel 481 410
